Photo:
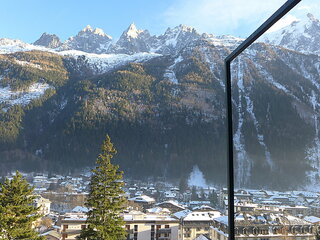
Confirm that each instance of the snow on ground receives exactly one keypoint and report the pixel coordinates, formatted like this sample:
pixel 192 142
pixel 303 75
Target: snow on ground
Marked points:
pixel 170 74
pixel 12 45
pixel 25 63
pixel 22 97
pixel 100 62
pixel 224 40
pixel 106 62
pixel 244 163
pixel 196 178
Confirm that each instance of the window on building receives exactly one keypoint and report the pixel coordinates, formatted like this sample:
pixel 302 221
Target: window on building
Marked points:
pixel 136 228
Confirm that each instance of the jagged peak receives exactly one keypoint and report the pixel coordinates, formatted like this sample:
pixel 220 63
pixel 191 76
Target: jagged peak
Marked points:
pixel 96 31
pixel 132 31
pixel 48 34
pixel 312 17
pixel 88 28
pixel 181 28
pixel 186 28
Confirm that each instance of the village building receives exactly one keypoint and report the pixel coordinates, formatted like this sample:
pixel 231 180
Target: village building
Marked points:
pixel 264 226
pixel 43 204
pixel 197 223
pixel 145 226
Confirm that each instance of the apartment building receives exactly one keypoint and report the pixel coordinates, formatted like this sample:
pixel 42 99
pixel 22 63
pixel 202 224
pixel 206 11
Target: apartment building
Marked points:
pixel 146 226
pixel 71 225
pixel 271 226
pixel 197 223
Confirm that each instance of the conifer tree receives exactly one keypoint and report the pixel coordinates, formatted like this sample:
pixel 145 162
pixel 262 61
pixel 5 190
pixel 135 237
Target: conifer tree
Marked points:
pixel 17 212
pixel 106 199
pixel 214 198
pixel 183 184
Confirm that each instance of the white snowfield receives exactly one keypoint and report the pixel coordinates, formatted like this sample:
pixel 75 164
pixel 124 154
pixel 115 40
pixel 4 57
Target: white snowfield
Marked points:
pixel 100 62
pixel 105 62
pixel 12 45
pixel 23 97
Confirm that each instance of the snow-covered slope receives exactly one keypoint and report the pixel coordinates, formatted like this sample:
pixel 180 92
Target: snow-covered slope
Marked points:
pixel 8 97
pixel 11 46
pixel 101 63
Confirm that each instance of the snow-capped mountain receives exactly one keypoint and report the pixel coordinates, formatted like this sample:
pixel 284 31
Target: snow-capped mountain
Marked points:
pixel 12 45
pixel 89 40
pixel 174 39
pixel 48 41
pixel 168 90
pixel 302 35
pixel 132 41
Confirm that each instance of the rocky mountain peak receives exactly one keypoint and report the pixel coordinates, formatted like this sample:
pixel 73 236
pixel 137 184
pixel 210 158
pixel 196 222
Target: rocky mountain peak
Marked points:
pixel 312 17
pixel 132 40
pixel 133 33
pixel 48 40
pixel 88 28
pixel 89 31
pixel 302 35
pixel 89 40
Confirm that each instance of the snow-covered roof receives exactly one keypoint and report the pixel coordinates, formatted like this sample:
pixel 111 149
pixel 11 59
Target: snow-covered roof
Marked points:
pixel 222 219
pixel 269 218
pixel 202 216
pixel 139 216
pixel 143 199
pixel 201 237
pixel 158 210
pixel 174 203
pixel 312 219
pixel 79 209
pixel 203 207
pixel 182 214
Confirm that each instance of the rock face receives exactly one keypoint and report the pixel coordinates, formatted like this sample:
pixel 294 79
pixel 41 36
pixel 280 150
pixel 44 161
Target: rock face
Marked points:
pixel 89 40
pixel 48 40
pixel 173 40
pixel 302 35
pixel 132 41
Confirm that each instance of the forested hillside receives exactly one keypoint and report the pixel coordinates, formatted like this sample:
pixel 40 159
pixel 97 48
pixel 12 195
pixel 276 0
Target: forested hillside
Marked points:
pixel 164 111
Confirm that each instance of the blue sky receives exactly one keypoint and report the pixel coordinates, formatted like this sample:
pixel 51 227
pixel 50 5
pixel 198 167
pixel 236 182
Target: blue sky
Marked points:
pixel 27 20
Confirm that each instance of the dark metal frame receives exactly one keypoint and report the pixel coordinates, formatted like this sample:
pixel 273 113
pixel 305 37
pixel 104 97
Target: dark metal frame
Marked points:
pixel 245 44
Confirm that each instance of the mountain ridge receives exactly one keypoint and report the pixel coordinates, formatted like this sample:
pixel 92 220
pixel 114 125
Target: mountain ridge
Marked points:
pixel 164 108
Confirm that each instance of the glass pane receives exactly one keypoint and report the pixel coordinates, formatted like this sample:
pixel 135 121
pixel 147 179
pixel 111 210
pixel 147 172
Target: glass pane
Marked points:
pixel 276 109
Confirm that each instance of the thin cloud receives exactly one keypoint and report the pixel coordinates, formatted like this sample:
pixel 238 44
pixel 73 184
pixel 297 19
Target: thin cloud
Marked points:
pixel 304 7
pixel 221 16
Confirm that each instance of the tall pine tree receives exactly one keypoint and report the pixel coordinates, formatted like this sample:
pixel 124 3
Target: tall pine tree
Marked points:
pixel 106 199
pixel 17 212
